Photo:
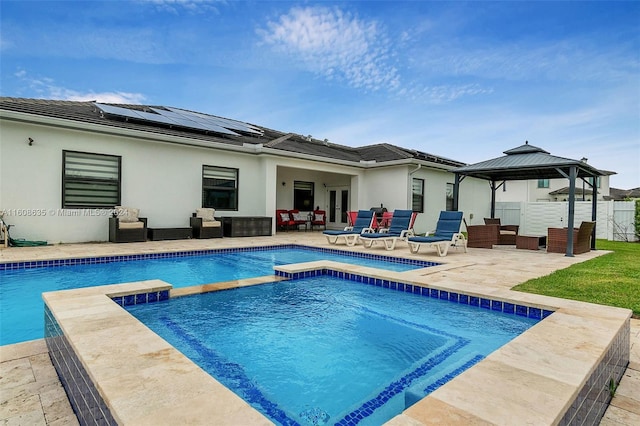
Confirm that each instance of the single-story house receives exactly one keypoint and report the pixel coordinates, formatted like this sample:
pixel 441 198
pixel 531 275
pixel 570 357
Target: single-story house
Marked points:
pixel 64 165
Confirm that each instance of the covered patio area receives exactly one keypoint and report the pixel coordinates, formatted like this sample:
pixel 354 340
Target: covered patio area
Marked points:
pixel 528 162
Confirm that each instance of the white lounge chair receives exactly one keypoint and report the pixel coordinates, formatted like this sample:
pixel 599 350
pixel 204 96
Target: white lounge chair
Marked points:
pixel 363 223
pixel 401 227
pixel 447 234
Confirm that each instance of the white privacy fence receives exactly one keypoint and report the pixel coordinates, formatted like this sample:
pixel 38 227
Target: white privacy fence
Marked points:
pixel 615 219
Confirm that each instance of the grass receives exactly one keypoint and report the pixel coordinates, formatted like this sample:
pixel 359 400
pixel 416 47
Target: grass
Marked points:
pixel 612 279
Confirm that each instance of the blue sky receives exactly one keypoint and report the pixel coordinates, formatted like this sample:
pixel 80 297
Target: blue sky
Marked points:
pixel 462 80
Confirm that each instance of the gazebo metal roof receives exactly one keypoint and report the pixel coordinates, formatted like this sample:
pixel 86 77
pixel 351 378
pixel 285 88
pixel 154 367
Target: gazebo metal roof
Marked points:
pixel 527 162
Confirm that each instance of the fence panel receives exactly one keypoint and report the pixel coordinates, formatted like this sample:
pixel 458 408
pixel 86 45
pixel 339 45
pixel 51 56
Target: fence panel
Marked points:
pixel 615 219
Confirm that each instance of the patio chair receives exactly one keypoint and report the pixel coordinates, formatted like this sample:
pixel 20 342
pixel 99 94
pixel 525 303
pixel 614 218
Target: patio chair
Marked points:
pixel 204 224
pixel 447 234
pixel 482 236
pixel 400 227
pixel 364 222
pixel 319 219
pixel 557 239
pixel 385 221
pixel 283 220
pixel 298 218
pixel 126 226
pixel 506 233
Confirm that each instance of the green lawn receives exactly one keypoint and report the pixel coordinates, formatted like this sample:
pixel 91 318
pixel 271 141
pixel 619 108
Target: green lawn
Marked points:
pixel 612 279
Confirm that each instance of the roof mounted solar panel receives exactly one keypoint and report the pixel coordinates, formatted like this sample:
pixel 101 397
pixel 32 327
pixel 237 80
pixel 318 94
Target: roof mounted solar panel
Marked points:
pixel 186 122
pixel 122 112
pixel 218 121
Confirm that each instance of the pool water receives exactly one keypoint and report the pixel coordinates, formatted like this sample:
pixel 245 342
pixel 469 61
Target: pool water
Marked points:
pixel 323 350
pixel 21 306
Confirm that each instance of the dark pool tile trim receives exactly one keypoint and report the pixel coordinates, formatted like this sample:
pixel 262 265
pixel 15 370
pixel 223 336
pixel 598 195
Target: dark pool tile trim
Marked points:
pixel 454 297
pixel 87 403
pixel 146 256
pixel 141 298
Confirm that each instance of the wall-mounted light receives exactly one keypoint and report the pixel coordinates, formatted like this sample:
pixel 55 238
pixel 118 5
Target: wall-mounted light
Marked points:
pixel 31 142
pixel 284 183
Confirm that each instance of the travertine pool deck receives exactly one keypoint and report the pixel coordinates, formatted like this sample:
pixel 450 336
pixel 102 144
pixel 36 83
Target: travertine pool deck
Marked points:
pixel 31 394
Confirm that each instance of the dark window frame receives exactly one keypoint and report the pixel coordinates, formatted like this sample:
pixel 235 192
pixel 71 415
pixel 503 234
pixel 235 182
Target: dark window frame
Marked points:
pixel 449 196
pixel 235 191
pixel 89 180
pixel 543 183
pixel 303 199
pixel 417 198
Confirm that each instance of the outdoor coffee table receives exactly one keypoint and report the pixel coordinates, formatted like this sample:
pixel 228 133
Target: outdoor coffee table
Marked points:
pixel 530 242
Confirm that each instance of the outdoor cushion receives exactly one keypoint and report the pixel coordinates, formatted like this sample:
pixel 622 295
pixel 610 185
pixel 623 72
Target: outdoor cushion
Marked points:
pixel 299 216
pixel 130 225
pixel 284 217
pixel 206 214
pixel 211 223
pixel 127 214
pixel 318 218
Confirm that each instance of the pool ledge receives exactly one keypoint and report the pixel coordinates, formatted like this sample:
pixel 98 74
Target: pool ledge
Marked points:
pixel 541 377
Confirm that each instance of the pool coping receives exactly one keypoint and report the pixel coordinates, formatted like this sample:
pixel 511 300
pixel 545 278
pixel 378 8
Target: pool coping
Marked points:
pixel 536 378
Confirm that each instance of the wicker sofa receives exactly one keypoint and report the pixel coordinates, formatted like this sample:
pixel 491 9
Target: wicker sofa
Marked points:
pixel 482 236
pixel 557 239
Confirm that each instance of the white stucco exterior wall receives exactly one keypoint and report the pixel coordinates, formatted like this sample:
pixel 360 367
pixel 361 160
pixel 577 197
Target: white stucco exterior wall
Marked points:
pixel 163 178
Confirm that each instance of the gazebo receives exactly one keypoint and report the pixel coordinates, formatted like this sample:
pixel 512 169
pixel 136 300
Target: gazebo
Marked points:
pixel 528 162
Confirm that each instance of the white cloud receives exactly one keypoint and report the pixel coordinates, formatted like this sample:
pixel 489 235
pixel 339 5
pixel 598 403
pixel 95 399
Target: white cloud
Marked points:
pixel 336 45
pixel 46 88
pixel 192 6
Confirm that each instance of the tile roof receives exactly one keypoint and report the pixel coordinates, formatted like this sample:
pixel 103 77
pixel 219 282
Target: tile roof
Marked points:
pixel 88 112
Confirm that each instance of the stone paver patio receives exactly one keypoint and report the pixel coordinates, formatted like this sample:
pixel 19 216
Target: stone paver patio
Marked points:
pixel 31 394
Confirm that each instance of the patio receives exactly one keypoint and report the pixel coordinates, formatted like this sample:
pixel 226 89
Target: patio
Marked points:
pixel 31 393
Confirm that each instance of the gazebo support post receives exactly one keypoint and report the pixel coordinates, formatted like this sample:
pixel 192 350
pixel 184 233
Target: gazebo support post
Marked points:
pixel 573 171
pixel 493 199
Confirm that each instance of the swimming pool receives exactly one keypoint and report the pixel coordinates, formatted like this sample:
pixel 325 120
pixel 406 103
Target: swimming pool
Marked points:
pixel 324 350
pixel 21 284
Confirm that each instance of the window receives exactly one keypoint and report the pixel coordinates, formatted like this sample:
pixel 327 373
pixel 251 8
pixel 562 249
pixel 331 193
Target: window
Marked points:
pixel 449 197
pixel 543 183
pixel 590 180
pixel 90 180
pixel 417 198
pixel 219 188
pixel 303 195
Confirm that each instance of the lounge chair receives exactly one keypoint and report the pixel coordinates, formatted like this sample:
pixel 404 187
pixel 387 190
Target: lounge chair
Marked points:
pixel 557 239
pixel 400 227
pixel 363 223
pixel 447 234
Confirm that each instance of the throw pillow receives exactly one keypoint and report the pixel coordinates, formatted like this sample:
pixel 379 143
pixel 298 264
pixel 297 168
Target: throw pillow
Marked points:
pixel 206 214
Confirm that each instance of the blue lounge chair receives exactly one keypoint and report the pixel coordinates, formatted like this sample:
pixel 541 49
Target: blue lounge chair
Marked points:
pixel 363 223
pixel 401 227
pixel 447 234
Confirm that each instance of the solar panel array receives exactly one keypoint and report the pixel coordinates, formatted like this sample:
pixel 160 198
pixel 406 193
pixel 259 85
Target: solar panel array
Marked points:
pixel 183 118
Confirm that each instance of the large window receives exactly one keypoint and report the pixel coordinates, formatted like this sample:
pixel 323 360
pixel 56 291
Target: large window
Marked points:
pixel 90 180
pixel 303 195
pixel 543 183
pixel 219 188
pixel 449 197
pixel 417 198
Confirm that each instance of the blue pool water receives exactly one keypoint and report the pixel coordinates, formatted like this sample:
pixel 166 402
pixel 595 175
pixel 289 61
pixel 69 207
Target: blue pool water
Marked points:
pixel 21 306
pixel 323 350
